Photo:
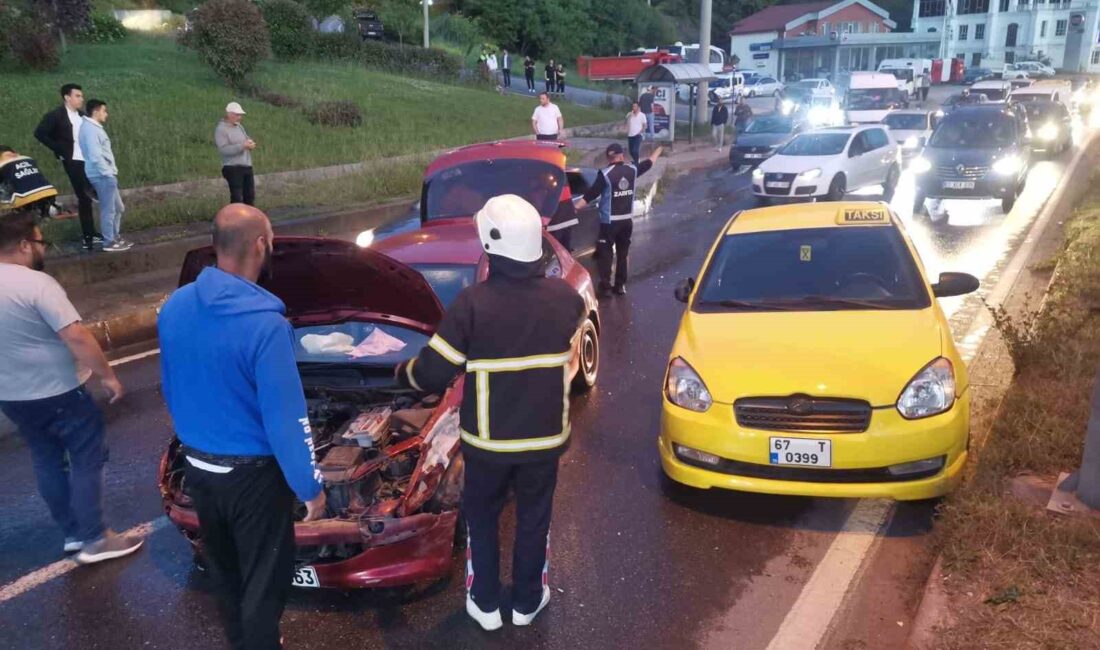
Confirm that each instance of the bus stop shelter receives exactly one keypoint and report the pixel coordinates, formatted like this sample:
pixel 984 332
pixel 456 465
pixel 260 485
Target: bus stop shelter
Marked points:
pixel 665 77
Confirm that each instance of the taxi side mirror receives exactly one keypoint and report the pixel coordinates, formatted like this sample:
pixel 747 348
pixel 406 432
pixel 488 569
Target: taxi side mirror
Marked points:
pixel 684 289
pixel 955 284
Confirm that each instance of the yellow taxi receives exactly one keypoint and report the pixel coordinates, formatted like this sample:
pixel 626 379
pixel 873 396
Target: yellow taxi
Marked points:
pixel 813 359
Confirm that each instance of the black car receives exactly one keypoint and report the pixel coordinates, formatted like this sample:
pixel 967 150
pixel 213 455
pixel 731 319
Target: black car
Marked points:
pixel 370 25
pixel 1051 125
pixel 974 75
pixel 976 152
pixel 762 138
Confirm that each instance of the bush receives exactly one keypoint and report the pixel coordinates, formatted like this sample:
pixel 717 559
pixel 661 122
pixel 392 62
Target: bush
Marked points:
pixel 335 47
pixel 273 98
pixel 406 58
pixel 339 113
pixel 231 37
pixel 33 46
pixel 103 28
pixel 456 28
pixel 290 28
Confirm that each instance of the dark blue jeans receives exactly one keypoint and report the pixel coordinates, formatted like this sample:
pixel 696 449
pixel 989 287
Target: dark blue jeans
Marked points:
pixel 66 437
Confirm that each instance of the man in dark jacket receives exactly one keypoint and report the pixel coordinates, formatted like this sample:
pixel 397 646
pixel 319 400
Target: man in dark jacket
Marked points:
pixel 513 337
pixel 719 118
pixel 58 130
pixel 231 382
pixel 742 115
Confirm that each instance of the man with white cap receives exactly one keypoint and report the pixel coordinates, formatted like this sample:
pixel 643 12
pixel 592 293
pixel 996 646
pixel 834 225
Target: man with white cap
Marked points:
pixel 513 337
pixel 235 148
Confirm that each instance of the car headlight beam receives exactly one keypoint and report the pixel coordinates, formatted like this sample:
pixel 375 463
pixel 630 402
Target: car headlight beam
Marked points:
pixel 920 165
pixel 685 388
pixel 810 174
pixel 912 142
pixel 1048 132
pixel 757 174
pixel 1007 165
pixel 930 392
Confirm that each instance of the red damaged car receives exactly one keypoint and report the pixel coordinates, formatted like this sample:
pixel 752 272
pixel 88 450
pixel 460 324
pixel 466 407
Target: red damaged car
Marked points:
pixel 389 457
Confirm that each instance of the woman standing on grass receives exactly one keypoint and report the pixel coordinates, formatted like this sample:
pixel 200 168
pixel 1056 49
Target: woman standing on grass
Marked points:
pixel 551 76
pixel 560 74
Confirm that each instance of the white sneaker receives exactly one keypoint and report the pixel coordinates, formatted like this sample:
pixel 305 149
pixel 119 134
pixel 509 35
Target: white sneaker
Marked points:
pixel 527 619
pixel 72 545
pixel 117 247
pixel 110 546
pixel 488 621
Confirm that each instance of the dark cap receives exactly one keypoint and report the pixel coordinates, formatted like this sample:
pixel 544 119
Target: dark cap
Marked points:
pixel 614 149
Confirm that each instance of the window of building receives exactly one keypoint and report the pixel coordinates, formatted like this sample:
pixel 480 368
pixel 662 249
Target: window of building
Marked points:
pixel 973 6
pixel 1096 57
pixel 1060 28
pixel 1004 6
pixel 874 28
pixel 1010 35
pixel 979 32
pixel 1043 29
pixel 825 28
pixel 933 8
pixel 964 31
pixel 1010 57
pixel 976 59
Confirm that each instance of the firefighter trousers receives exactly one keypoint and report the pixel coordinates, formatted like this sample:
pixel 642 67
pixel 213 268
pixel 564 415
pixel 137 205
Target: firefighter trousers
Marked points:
pixel 613 243
pixel 486 490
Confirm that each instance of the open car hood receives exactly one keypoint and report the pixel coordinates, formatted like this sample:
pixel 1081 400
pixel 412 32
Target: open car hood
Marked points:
pixel 332 279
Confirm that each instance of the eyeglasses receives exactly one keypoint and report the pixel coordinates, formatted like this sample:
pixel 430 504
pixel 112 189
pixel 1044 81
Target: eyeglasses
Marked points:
pixel 45 242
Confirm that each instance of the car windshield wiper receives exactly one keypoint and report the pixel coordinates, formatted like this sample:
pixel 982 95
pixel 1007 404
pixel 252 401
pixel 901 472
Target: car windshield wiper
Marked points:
pixel 839 302
pixel 761 305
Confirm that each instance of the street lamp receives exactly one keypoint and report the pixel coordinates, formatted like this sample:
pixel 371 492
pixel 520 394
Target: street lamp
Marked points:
pixel 427 38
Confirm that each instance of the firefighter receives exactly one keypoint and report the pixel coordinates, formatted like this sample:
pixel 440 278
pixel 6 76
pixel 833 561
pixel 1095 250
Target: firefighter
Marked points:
pixel 513 335
pixel 614 187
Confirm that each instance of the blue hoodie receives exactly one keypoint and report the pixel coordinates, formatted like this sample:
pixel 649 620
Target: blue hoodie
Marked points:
pixel 230 378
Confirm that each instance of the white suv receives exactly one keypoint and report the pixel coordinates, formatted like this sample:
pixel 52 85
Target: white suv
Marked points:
pixel 828 163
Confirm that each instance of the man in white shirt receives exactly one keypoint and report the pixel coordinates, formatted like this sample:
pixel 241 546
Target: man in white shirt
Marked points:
pixel 58 131
pixel 491 64
pixel 546 120
pixel 635 130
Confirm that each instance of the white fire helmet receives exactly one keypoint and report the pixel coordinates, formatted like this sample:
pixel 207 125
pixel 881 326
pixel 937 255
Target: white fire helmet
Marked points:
pixel 511 227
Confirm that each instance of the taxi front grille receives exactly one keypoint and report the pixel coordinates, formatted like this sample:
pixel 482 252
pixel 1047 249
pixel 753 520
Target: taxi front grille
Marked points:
pixel 810 474
pixel 968 172
pixel 801 413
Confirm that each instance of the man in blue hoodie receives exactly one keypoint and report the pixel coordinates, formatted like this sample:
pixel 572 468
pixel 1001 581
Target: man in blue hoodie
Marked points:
pixel 236 400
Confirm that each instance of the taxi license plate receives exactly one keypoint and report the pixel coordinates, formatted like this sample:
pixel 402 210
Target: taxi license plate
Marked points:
pixel 958 185
pixel 777 184
pixel 306 577
pixel 754 155
pixel 801 452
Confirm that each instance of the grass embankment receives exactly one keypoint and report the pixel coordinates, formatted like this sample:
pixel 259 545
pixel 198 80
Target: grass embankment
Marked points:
pixel 1021 577
pixel 164 105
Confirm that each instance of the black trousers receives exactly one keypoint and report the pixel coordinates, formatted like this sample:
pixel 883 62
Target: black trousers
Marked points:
pixel 550 85
pixel 247 530
pixel 924 93
pixel 614 242
pixel 634 144
pixel 530 76
pixel 507 76
pixel 486 491
pixel 242 184
pixel 561 86
pixel 74 169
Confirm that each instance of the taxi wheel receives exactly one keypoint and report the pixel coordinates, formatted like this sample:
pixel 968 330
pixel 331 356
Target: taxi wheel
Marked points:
pixel 589 368
pixel 837 189
pixel 1007 202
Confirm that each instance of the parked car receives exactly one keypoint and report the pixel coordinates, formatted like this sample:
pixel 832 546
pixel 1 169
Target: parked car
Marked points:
pixel 458 183
pixel 1020 83
pixel 762 138
pixel 1048 90
pixel 977 152
pixel 762 87
pixel 1027 69
pixel 973 75
pixel 995 90
pixel 829 163
pixel 910 129
pixel 1051 126
pixel 726 88
pixel 755 396
pixel 370 25
pixel 815 87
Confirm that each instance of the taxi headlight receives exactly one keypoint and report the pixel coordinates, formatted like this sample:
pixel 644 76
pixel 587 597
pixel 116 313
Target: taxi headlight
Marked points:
pixel 1048 132
pixel 1008 165
pixel 365 239
pixel 930 393
pixel 920 165
pixel 758 174
pixel 787 106
pixel 809 175
pixel 912 142
pixel 685 389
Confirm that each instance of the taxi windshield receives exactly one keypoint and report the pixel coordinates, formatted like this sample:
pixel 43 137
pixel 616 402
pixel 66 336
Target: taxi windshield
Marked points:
pixel 812 269
pixel 816 144
pixel 906 121
pixel 462 190
pixel 771 124
pixel 979 130
pixel 447 280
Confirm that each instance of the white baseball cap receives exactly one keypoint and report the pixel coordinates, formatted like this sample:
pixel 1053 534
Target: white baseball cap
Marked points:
pixel 234 107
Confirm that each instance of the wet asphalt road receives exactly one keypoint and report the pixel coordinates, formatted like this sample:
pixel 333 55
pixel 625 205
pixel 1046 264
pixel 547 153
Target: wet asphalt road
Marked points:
pixel 634 564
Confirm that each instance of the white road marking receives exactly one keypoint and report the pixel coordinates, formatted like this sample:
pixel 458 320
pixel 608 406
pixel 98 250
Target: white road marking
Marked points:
pixel 809 619
pixel 135 357
pixel 61 567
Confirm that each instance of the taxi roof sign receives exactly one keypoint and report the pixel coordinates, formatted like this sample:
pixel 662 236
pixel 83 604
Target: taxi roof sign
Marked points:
pixel 862 215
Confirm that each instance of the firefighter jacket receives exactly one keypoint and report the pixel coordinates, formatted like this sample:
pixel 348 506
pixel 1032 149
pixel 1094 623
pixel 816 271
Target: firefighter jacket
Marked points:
pixel 614 187
pixel 513 335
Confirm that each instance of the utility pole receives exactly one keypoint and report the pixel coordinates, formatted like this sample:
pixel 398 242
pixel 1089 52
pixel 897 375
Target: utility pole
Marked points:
pixel 427 38
pixel 701 113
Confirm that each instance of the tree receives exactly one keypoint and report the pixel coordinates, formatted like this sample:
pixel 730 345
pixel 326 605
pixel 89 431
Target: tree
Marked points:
pixel 231 37
pixel 402 18
pixel 324 8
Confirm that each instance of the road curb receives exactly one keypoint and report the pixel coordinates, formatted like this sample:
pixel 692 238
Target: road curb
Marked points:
pixel 934 610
